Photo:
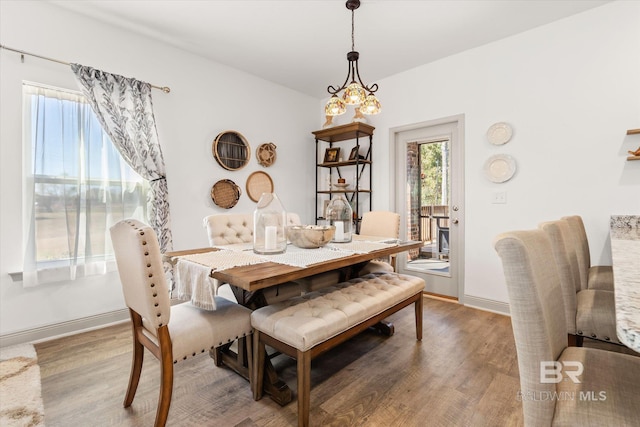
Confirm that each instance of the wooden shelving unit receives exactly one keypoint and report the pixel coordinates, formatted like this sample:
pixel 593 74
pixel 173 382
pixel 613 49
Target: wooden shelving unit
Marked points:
pixel 326 138
pixel 634 156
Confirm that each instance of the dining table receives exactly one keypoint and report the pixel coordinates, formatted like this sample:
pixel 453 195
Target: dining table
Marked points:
pixel 625 255
pixel 199 272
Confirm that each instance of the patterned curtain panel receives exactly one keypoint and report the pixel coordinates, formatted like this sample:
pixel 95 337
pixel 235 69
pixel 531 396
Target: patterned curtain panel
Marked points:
pixel 125 111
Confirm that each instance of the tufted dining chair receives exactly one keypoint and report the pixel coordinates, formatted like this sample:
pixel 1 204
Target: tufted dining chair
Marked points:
pixel 380 224
pixel 591 276
pixel 588 312
pixel 227 229
pixel 559 385
pixel 171 334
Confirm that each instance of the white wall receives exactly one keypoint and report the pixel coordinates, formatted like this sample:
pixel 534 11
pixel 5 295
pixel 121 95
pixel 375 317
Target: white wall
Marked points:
pixel 202 103
pixel 570 90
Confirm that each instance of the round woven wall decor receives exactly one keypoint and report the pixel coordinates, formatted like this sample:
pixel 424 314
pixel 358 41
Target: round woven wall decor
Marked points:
pixel 231 150
pixel 266 154
pixel 225 193
pixel 258 182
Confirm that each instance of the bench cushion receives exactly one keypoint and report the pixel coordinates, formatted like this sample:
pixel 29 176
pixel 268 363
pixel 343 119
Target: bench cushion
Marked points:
pixel 313 318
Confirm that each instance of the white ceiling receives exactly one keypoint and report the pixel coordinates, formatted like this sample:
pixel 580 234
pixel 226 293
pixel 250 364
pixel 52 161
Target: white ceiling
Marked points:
pixel 302 44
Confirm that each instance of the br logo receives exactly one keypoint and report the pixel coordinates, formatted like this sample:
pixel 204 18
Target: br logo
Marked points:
pixel 551 372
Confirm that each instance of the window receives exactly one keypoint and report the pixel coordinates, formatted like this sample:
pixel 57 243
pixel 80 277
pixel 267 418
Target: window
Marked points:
pixel 76 186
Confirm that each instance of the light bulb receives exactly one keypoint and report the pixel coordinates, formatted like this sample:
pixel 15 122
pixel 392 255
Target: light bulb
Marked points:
pixel 335 107
pixel 371 105
pixel 354 94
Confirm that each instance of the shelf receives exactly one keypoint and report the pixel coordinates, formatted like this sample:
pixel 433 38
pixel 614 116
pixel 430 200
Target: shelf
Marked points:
pixel 344 132
pixel 347 163
pixel 342 191
pixel 633 158
pixel 633 131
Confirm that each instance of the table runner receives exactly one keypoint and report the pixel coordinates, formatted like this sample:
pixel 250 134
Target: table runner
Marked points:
pixel 193 274
pixel 298 257
pixel 361 246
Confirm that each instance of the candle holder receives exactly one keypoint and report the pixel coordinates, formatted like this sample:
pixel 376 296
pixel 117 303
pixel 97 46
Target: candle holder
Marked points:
pixel 340 215
pixel 269 220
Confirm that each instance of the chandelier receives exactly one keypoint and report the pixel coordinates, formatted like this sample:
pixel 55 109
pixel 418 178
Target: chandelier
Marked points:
pixel 355 92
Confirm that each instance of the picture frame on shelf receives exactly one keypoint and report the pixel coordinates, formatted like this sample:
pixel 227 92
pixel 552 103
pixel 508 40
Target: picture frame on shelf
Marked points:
pixel 354 153
pixel 331 155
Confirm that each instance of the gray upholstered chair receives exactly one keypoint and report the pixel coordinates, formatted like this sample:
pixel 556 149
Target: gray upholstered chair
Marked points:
pixel 589 312
pixel 591 276
pixel 383 224
pixel 560 385
pixel 227 229
pixel 171 334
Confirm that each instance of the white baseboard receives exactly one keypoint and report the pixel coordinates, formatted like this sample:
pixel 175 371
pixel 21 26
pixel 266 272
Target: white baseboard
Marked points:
pixel 57 330
pixel 487 305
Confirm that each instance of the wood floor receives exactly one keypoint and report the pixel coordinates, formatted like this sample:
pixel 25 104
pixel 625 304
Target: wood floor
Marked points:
pixel 464 372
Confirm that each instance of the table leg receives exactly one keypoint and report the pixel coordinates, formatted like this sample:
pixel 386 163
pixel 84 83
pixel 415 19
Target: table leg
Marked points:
pixel 277 389
pixel 384 327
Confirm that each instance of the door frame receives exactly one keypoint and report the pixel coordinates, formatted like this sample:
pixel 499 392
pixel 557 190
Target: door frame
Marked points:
pixel 397 168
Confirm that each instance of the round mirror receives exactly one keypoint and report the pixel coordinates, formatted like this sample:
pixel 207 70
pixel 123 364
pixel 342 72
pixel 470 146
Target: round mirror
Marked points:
pixel 231 150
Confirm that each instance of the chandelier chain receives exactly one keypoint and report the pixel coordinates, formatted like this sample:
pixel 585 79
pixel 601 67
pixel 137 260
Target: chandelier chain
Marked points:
pixel 353 30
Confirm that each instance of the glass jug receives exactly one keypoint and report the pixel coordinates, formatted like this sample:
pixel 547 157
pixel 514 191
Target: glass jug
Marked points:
pixel 269 226
pixel 340 215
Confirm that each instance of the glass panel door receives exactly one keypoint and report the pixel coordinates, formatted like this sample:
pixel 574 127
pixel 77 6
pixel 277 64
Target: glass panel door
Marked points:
pixel 429 192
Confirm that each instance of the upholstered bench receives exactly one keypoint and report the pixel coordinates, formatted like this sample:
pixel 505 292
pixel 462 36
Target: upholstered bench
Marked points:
pixel 307 326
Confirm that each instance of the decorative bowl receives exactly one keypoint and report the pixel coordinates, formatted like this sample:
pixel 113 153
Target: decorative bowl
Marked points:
pixel 310 236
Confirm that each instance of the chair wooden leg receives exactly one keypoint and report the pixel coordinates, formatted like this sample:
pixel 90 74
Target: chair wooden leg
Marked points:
pixel 575 340
pixel 136 362
pixel 304 387
pixel 419 318
pixel 257 373
pixel 249 348
pixel 166 376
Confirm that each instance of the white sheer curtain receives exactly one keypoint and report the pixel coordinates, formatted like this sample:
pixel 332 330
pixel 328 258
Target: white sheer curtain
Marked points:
pixel 77 186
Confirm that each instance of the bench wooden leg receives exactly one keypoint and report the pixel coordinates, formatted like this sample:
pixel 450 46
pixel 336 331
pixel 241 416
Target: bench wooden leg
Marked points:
pixel 304 387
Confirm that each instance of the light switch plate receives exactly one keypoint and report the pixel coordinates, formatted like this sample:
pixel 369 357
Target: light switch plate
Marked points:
pixel 499 197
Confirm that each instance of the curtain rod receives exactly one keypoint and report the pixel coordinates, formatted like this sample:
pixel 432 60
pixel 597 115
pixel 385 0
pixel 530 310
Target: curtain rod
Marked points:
pixel 165 89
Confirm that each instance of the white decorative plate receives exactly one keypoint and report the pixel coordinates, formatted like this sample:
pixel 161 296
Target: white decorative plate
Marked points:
pixel 499 133
pixel 500 168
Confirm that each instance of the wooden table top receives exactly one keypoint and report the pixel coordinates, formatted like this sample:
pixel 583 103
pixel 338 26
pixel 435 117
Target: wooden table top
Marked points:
pixel 263 275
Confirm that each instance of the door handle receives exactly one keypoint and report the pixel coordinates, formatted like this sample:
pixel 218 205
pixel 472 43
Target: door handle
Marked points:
pixel 455 221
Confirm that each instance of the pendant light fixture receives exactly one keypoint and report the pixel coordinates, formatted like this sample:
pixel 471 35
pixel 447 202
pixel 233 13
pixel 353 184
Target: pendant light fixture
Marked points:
pixel 355 92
